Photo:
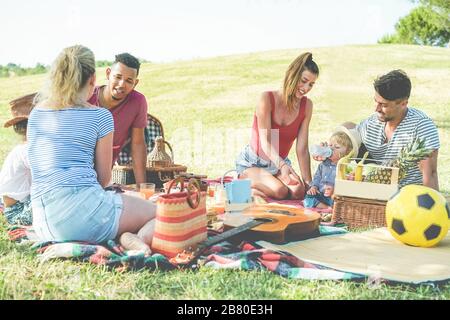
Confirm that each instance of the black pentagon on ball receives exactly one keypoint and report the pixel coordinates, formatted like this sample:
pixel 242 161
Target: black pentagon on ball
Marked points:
pixel 432 232
pixel 398 227
pixel 447 207
pixel 425 201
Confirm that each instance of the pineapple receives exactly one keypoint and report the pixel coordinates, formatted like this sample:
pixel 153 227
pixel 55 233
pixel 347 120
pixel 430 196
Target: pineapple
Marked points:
pixel 408 157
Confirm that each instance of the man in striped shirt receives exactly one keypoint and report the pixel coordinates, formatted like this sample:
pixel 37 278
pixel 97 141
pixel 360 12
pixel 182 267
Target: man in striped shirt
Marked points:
pixel 394 125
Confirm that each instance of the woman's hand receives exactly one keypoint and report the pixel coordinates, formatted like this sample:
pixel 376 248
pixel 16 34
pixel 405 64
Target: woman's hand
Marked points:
pixel 312 191
pixel 285 174
pixel 289 176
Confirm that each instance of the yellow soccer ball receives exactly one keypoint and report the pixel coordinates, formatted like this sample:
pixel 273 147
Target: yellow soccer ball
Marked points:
pixel 418 216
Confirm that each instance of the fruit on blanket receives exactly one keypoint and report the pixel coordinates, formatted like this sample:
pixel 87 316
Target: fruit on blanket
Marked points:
pixel 409 156
pixel 418 216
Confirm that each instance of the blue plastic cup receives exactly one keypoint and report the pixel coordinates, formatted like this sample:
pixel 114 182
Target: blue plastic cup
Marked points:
pixel 239 191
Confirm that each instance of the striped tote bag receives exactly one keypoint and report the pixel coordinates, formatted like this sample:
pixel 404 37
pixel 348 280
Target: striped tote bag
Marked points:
pixel 180 219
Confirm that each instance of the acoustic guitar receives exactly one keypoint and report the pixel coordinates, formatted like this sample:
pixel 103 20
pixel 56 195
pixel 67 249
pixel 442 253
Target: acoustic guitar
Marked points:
pixel 270 222
pixel 281 223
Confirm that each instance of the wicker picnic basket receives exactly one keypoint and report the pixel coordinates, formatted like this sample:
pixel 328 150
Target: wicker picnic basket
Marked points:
pixel 359 213
pixel 362 204
pixel 153 129
pixel 158 175
pixel 160 166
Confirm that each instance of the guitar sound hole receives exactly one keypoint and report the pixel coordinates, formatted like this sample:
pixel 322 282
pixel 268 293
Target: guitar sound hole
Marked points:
pixel 284 212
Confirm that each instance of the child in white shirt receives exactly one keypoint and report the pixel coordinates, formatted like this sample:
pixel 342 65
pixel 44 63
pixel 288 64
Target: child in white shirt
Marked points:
pixel 15 175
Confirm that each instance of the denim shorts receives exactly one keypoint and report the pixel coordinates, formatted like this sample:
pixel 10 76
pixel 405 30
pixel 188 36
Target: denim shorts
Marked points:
pixel 20 212
pixel 84 213
pixel 248 159
pixel 312 201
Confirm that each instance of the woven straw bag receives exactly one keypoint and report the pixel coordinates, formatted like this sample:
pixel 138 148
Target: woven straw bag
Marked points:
pixel 180 219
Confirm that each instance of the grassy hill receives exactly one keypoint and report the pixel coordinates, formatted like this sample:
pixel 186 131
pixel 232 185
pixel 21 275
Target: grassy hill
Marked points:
pixel 206 107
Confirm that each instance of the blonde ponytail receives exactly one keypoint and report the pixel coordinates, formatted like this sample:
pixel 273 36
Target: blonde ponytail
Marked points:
pixel 68 76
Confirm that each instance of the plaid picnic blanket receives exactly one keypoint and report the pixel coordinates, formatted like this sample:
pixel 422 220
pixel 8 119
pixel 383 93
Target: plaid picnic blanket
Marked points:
pixel 245 256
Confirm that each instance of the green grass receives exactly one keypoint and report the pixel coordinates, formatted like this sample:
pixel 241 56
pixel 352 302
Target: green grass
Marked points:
pixel 206 107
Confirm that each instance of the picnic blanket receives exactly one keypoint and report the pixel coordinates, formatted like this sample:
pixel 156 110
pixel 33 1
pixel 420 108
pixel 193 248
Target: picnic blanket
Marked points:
pixel 246 256
pixel 375 254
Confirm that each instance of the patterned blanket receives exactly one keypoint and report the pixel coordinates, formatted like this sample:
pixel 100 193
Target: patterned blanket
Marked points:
pixel 246 256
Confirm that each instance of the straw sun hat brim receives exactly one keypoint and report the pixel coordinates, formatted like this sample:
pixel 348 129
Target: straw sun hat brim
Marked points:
pixel 354 136
pixel 13 121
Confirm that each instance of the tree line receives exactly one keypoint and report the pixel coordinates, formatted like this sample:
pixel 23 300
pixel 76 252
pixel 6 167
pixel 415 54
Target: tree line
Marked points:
pixel 427 24
pixel 12 69
pixel 16 70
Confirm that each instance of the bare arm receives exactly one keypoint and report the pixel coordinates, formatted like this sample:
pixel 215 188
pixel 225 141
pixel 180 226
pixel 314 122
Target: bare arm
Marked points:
pixel 303 157
pixel 428 167
pixel 139 154
pixel 103 159
pixel 264 117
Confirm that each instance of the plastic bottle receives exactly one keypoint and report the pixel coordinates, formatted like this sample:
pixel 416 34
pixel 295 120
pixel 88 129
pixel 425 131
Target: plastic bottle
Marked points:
pixel 321 151
pixel 220 197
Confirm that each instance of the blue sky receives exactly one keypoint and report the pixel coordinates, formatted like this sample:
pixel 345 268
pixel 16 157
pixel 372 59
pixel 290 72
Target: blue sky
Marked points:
pixel 166 30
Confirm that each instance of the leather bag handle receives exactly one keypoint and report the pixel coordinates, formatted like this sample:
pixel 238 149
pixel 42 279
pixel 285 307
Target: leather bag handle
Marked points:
pixel 176 181
pixel 193 183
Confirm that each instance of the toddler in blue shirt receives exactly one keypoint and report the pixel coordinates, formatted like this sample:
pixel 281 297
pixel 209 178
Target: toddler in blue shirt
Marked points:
pixel 320 193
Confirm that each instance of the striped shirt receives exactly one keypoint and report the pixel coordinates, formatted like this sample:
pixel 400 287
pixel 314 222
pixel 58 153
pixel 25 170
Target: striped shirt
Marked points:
pixel 415 124
pixel 61 146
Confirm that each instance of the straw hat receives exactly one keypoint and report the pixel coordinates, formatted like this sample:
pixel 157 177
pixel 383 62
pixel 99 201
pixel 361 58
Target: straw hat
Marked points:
pixel 20 109
pixel 354 136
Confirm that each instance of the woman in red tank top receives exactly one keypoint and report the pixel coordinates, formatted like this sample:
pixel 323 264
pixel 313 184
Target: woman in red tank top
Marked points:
pixel 281 117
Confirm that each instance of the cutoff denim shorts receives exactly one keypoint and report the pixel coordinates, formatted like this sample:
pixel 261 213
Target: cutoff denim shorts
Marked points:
pixel 248 159
pixel 20 212
pixel 312 201
pixel 84 213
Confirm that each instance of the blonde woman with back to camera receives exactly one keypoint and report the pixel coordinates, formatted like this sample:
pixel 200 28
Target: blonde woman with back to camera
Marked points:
pixel 70 152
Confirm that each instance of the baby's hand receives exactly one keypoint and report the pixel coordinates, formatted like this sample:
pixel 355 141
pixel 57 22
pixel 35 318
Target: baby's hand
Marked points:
pixel 312 191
